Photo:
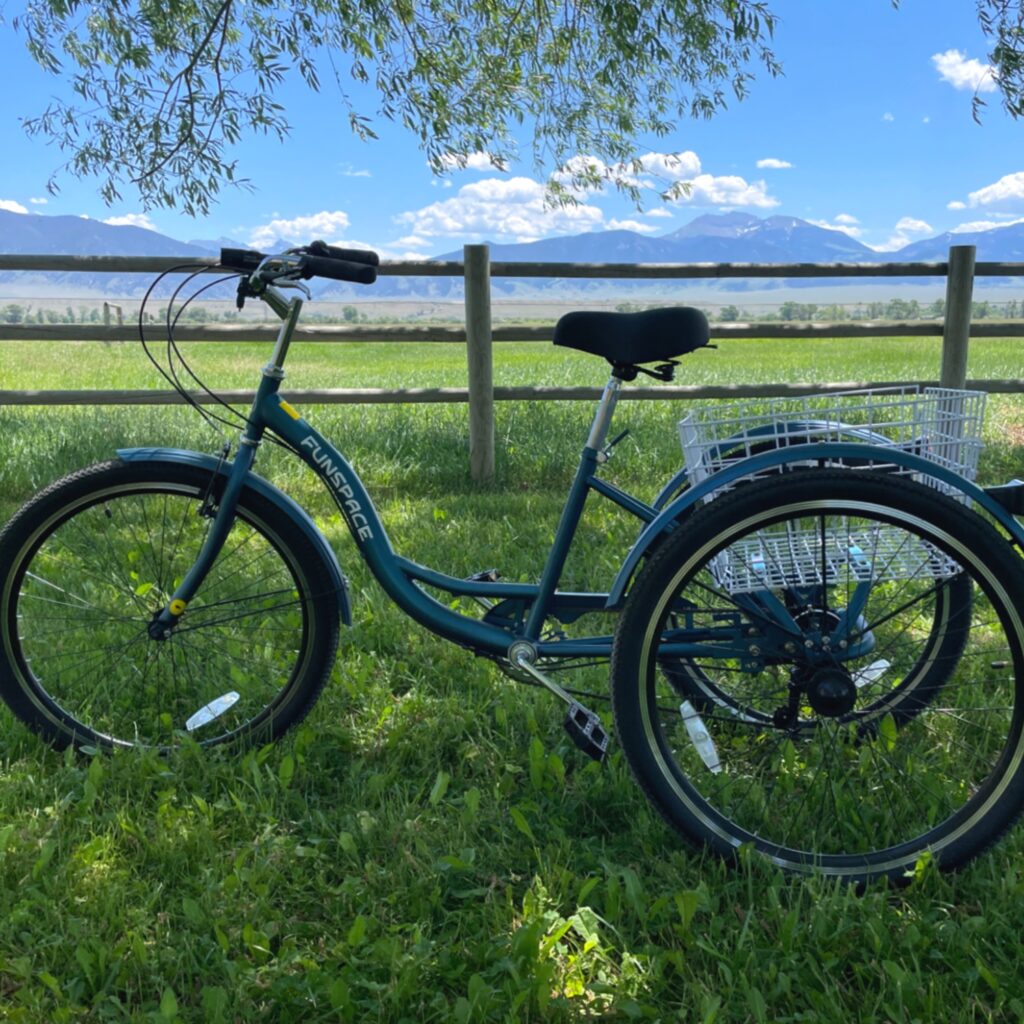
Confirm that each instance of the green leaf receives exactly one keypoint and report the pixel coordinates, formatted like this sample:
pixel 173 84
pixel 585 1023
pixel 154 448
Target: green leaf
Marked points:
pixel 214 1000
pixel 888 731
pixel 168 1004
pixel 687 902
pixel 988 977
pixel 192 911
pixel 357 933
pixel 338 994
pixel 439 788
pixel 51 983
pixel 520 822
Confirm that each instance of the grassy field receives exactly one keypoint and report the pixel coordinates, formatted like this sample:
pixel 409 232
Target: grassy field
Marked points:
pixel 429 846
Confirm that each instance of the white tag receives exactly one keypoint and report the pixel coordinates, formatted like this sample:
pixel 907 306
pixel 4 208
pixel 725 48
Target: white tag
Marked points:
pixel 869 673
pixel 208 712
pixel 702 742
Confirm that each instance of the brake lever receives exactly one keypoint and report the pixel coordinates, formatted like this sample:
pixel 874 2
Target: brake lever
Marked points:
pixel 286 277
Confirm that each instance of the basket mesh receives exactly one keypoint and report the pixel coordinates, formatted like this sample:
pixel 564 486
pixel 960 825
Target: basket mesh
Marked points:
pixel 786 557
pixel 941 425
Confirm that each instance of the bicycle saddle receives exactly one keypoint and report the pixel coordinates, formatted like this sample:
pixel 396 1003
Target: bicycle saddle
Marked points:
pixel 631 338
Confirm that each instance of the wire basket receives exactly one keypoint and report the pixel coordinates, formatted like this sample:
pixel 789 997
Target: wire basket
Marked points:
pixel 941 425
pixel 791 557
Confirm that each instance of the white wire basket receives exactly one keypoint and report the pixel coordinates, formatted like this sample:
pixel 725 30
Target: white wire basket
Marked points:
pixel 941 425
pixel 791 556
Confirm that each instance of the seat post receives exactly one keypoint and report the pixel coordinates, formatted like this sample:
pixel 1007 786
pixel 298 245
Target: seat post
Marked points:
pixel 603 415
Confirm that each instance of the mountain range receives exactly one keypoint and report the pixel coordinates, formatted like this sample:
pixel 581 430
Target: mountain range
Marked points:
pixel 716 238
pixel 712 238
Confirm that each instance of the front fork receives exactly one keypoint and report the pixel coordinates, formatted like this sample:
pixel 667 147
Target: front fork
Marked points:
pixel 163 623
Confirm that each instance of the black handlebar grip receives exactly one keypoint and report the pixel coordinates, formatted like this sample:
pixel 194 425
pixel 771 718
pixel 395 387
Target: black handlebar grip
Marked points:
pixel 338 270
pixel 241 259
pixel 371 259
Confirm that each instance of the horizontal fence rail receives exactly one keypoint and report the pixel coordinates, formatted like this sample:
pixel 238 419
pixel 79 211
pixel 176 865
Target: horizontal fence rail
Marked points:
pixel 455 396
pixel 476 270
pixel 234 333
pixel 508 268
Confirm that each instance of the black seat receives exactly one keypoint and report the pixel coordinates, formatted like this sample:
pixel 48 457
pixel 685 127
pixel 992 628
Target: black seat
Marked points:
pixel 629 339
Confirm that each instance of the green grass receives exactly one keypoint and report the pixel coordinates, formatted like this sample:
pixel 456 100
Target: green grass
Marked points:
pixel 429 846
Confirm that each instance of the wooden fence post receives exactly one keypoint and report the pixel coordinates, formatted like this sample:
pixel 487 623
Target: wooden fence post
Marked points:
pixel 957 329
pixel 477 264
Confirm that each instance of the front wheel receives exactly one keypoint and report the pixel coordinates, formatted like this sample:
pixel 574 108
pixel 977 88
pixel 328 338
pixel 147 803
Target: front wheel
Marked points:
pixel 88 562
pixel 809 605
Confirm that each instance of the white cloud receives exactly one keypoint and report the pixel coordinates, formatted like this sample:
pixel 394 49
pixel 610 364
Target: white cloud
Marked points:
pixel 729 190
pixel 471 162
pixel 772 164
pixel 658 211
pixel 652 170
pixel 662 172
pixel 327 224
pixel 983 225
pixel 11 206
pixel 912 226
pixel 955 204
pixel 1009 189
pixel 905 228
pixel 413 242
pixel 671 166
pixel 926 120
pixel 842 222
pixel 888 117
pixel 507 208
pixel 348 171
pixel 961 73
pixel 895 242
pixel 39 200
pixel 629 225
pixel 134 220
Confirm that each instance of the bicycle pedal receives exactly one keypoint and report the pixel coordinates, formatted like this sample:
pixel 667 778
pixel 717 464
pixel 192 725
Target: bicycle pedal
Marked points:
pixel 484 576
pixel 586 731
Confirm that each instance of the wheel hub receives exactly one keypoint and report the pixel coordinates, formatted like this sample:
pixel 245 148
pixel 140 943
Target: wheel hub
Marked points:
pixel 831 692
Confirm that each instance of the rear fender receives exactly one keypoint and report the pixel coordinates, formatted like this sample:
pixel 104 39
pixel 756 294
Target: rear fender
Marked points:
pixel 302 520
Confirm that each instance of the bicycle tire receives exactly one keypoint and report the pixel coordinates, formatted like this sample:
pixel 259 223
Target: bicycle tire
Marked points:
pixel 817 782
pixel 87 563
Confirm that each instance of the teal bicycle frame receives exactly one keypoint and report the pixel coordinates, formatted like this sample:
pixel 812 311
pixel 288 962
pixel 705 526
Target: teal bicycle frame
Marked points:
pixel 522 609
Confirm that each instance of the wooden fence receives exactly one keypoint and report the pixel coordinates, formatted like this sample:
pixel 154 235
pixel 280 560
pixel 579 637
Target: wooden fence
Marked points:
pixel 478 334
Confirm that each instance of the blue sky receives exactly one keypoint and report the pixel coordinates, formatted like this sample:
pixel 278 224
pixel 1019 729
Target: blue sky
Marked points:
pixel 869 131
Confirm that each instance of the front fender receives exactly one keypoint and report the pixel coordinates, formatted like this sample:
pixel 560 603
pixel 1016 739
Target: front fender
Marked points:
pixel 666 519
pixel 298 515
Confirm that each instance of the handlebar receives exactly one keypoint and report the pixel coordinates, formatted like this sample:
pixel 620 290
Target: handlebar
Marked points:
pixel 318 259
pixel 351 255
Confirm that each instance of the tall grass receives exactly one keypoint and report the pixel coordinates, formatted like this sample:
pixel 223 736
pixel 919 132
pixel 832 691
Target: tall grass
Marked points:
pixel 429 846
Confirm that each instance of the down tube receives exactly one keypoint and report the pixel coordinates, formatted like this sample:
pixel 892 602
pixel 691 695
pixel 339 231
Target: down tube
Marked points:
pixel 369 534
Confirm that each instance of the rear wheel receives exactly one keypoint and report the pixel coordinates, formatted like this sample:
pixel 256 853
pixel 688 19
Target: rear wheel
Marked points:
pixel 85 566
pixel 839 728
